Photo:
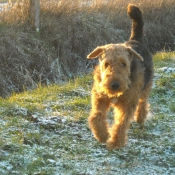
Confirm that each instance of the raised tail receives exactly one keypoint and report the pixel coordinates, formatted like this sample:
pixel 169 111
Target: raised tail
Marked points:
pixel 137 22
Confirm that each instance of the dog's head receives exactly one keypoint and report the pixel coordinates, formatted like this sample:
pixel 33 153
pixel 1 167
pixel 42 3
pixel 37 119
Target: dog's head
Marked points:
pixel 115 61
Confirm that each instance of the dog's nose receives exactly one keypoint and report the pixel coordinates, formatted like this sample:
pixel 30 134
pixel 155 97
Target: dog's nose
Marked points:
pixel 115 85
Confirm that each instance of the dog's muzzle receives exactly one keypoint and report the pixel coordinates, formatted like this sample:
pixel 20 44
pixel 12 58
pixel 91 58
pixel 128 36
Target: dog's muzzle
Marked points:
pixel 115 85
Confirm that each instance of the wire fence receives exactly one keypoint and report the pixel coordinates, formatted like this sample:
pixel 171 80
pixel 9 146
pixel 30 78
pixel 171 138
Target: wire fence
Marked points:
pixel 34 6
pixel 4 6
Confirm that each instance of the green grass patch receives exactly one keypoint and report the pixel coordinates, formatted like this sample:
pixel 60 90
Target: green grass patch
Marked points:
pixel 163 59
pixel 73 95
pixel 167 82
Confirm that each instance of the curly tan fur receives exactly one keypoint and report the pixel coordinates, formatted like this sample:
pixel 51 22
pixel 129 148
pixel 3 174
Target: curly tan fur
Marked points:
pixel 122 80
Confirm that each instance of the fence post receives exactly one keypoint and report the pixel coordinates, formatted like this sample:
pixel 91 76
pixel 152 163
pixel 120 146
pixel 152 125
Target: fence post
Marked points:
pixel 35 13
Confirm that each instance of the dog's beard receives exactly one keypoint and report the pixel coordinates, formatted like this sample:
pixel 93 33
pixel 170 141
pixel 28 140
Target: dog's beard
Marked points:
pixel 108 92
pixel 104 86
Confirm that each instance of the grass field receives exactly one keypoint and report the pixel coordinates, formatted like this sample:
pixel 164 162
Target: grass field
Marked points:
pixel 45 132
pixel 68 32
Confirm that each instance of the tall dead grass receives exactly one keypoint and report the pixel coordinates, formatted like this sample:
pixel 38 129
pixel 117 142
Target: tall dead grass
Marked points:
pixel 68 32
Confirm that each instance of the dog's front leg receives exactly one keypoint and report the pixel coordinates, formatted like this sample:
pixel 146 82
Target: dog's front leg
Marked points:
pixel 97 119
pixel 118 132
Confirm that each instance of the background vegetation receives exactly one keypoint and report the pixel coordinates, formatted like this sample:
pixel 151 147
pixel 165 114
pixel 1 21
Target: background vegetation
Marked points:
pixel 68 32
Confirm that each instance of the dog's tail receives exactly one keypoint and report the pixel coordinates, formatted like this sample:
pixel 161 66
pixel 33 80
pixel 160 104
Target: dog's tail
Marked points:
pixel 137 22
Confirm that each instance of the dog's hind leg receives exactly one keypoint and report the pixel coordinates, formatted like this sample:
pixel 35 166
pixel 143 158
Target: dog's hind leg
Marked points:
pixel 143 106
pixel 142 111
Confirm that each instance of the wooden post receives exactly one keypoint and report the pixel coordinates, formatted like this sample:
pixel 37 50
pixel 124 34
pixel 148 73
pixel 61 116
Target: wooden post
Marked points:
pixel 35 13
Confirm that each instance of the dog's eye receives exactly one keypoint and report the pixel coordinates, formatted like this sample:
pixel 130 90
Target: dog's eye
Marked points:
pixel 123 64
pixel 106 65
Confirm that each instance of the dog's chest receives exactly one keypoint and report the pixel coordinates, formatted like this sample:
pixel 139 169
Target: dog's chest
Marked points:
pixel 113 100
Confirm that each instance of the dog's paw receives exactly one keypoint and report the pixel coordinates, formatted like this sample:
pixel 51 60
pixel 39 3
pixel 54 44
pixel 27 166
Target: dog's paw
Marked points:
pixel 102 138
pixel 113 145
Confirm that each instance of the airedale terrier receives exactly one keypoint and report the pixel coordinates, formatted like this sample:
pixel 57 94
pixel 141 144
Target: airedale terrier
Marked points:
pixel 123 80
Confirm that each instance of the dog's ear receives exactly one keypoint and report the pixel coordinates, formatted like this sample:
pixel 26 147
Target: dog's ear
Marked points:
pixel 96 52
pixel 134 53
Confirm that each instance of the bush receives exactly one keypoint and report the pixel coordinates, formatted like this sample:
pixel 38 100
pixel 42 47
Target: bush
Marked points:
pixel 68 32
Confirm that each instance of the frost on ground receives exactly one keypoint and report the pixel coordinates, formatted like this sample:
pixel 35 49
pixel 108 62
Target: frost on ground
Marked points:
pixel 58 144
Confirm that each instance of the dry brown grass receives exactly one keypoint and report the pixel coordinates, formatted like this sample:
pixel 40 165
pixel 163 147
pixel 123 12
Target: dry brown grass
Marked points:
pixel 67 33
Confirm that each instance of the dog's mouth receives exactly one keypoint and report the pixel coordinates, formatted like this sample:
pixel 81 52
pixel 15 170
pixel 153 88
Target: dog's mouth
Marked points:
pixel 114 90
pixel 115 93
